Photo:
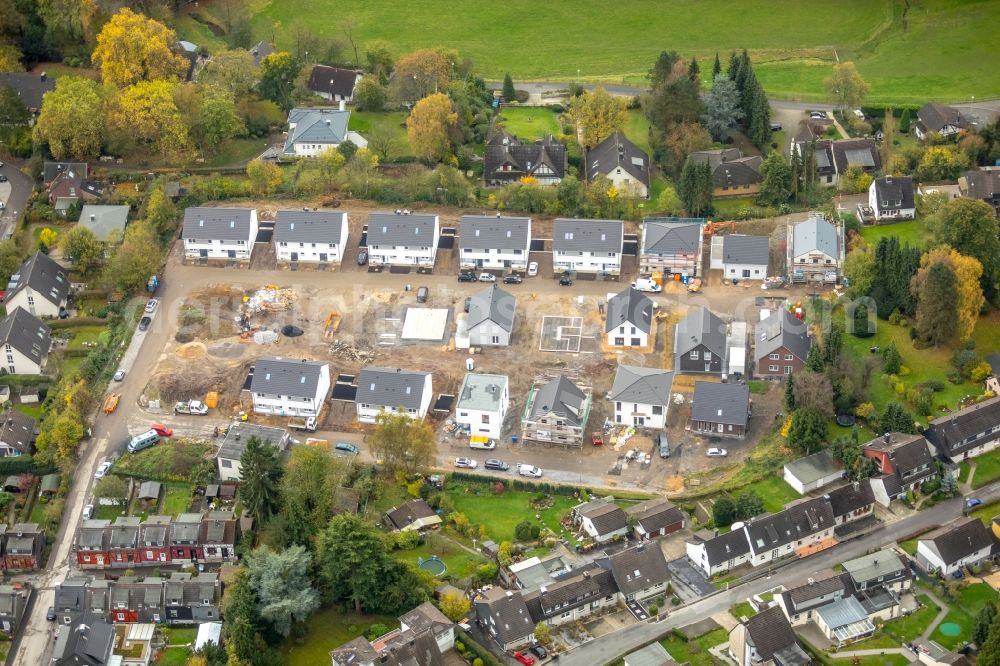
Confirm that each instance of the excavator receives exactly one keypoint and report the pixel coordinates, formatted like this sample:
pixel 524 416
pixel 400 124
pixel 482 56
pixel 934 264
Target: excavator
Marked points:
pixel 712 228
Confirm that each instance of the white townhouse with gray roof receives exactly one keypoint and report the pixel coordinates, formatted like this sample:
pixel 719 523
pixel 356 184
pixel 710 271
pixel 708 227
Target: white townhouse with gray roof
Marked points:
pixel 629 320
pixel 403 239
pixel 40 287
pixel 393 389
pixel 641 396
pixel 492 313
pixel 816 253
pixel 494 242
pixel 26 343
pixel 671 245
pixel 219 233
pixel 313 130
pixel 745 257
pixel 289 387
pixel 587 246
pixel 482 405
pixel 310 237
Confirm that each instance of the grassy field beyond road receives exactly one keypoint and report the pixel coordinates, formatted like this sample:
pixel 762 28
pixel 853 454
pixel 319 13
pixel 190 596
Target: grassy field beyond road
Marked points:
pixel 795 43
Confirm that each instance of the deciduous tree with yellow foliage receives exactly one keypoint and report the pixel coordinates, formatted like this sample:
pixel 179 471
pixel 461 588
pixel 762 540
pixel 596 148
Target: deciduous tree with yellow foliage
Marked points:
pixel 71 121
pixel 133 48
pixel 949 295
pixel 147 114
pixel 597 115
pixel 430 126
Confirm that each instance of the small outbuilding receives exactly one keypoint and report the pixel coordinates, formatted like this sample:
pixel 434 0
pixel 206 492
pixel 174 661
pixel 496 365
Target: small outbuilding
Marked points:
pixel 813 472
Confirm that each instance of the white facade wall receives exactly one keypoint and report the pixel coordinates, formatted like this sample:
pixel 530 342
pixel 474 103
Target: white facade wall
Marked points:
pixel 771 554
pixel 489 334
pixel 627 335
pixel 980 449
pixel 930 562
pixel 286 405
pixel 493 425
pixel 583 611
pixel 745 271
pixel 237 248
pixel 495 259
pixel 306 149
pixel 367 413
pixel 16 363
pixel 697 554
pixel 640 414
pixel 33 302
pixel 309 252
pixel 229 469
pixel 875 205
pixel 587 262
pixel 406 255
pixel 626 184
pixel 588 526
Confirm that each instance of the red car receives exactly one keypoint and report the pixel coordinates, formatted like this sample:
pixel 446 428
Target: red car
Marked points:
pixel 161 430
pixel 524 659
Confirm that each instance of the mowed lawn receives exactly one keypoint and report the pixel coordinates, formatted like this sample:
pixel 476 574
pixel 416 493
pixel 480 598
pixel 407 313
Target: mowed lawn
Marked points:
pixel 390 124
pixel 963 613
pixel 695 652
pixel 501 513
pixel 938 56
pixel 987 469
pixel 775 492
pixel 529 123
pixel 913 232
pixel 326 629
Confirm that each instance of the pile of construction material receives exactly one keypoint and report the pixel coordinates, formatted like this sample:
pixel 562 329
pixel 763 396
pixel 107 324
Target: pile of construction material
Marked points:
pixel 269 298
pixel 352 352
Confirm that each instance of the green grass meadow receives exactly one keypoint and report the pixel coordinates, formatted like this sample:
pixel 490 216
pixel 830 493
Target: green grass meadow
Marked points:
pixel 936 52
pixel 963 612
pixel 326 629
pixel 913 232
pixel 695 652
pixel 528 123
pixel 388 123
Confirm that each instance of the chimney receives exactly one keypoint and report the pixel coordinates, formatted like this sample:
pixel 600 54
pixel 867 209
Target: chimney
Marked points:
pixel 44 76
pixel 92 217
pixel 887 438
pixel 327 122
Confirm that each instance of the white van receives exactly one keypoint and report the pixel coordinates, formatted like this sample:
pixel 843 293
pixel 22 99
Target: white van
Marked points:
pixel 482 443
pixel 143 441
pixel 647 284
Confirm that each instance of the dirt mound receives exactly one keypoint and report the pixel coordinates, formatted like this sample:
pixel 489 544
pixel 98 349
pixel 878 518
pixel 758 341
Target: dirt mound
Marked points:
pixel 674 484
pixel 226 350
pixel 192 350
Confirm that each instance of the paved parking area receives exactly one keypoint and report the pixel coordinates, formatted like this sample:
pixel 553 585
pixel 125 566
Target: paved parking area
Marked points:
pixel 689 579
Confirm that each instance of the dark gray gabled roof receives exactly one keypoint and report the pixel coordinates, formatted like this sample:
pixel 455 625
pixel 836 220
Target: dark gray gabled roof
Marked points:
pixel 671 238
pixel 559 396
pixel 332 80
pixel 960 539
pixel 285 376
pixel 314 226
pixel 701 327
pixel 729 167
pixel 934 116
pixel 604 515
pixel 743 249
pixel 392 230
pixel 390 387
pixel 47 278
pixel 507 160
pixel 656 514
pixel 726 547
pixel 629 306
pixel 26 333
pixel 769 632
pixel 316 125
pixel 227 224
pixel 616 151
pixel 510 614
pixel 484 232
pixel 966 428
pixel 980 184
pixel 30 88
pixel 575 235
pixel 850 498
pixel 721 403
pixel 492 304
pixel 639 568
pixel 794 523
pixel 645 386
pixel 779 330
pixel 862 152
pixel 906 452
pixel 896 191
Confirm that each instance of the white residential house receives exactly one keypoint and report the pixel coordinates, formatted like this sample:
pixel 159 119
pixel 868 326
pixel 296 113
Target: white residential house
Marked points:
pixel 967 433
pixel 403 239
pixel 289 387
pixel 587 246
pixel 934 118
pixel 962 543
pixel 492 313
pixel 333 83
pixel 17 434
pixel 313 237
pixel 745 257
pixel 482 405
pixel 816 253
pixel 311 130
pixel 622 162
pixel 629 320
pixel 219 233
pixel 494 242
pixel 26 343
pixel 40 287
pixel 641 396
pixel 891 199
pixel 600 519
pixel 393 389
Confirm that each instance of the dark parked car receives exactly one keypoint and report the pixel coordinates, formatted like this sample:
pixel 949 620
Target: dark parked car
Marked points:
pixel 362 257
pixel 494 464
pixel 467 277
pixel 775 127
pixel 512 279
pixel 540 652
pixel 50 615
pixel 3 178
pixel 344 447
pixel 144 323
pixel 565 281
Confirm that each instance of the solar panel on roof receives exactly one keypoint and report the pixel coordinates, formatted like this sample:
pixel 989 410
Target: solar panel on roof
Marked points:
pixel 862 157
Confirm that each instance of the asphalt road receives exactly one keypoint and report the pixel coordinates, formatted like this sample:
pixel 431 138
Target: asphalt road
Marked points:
pixel 14 194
